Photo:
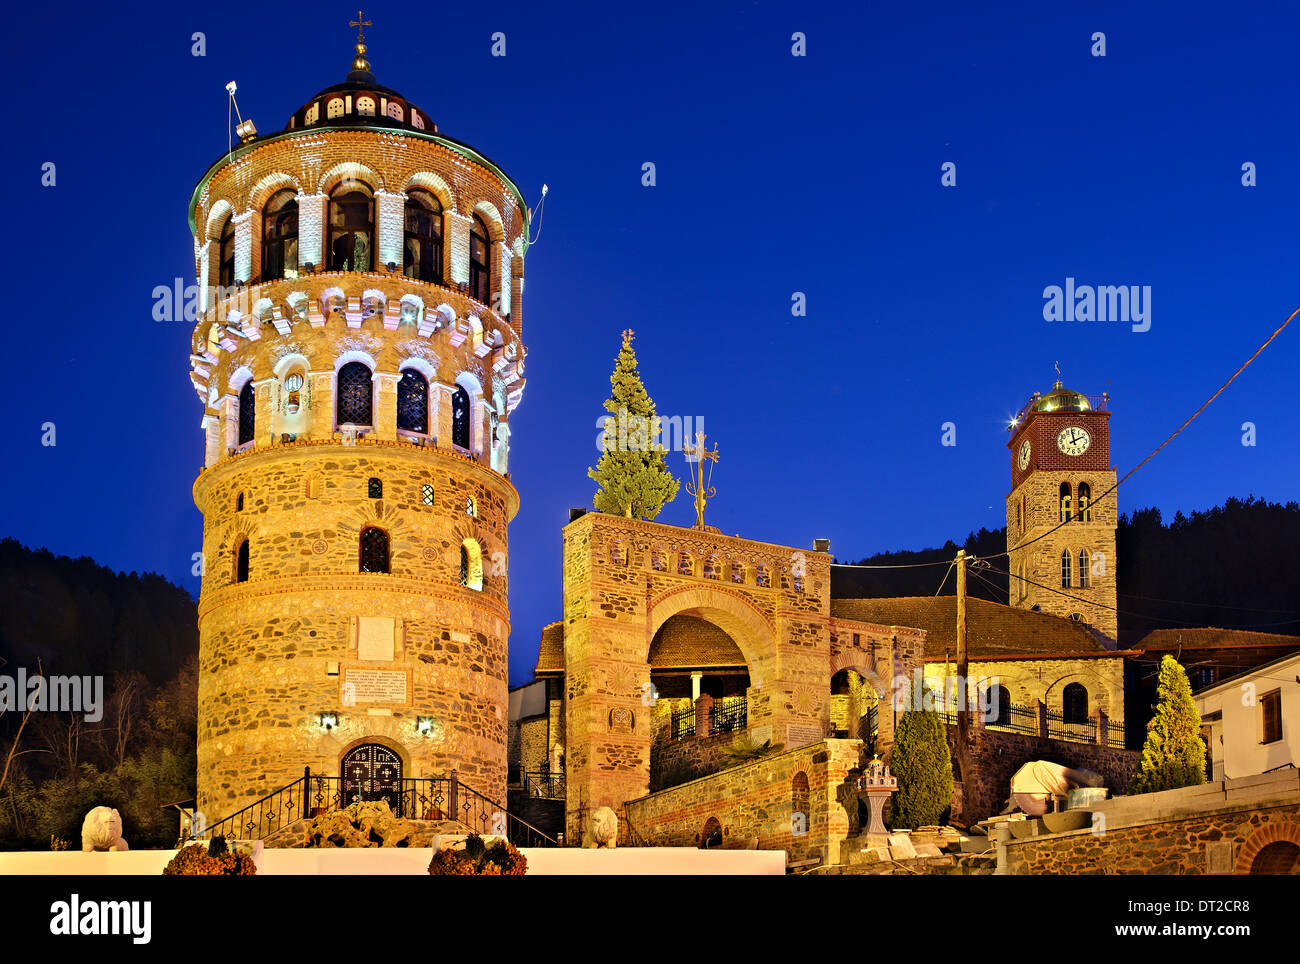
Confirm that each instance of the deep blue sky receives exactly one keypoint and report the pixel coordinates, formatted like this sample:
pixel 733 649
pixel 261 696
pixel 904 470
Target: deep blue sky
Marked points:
pixel 776 174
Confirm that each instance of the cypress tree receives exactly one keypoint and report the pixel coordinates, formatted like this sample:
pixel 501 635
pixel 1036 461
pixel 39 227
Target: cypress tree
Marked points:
pixel 1174 754
pixel 922 763
pixel 632 474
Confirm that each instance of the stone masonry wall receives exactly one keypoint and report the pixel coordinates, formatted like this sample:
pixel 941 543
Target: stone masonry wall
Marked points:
pixel 757 801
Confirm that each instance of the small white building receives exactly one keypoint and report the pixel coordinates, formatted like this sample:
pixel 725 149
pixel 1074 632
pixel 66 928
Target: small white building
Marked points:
pixel 1252 720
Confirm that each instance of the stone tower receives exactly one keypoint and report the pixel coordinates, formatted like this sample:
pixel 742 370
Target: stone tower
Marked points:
pixel 1060 468
pixel 359 354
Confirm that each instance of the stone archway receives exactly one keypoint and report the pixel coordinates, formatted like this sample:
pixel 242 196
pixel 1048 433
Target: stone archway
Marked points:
pixel 371 768
pixel 731 613
pixel 1274 849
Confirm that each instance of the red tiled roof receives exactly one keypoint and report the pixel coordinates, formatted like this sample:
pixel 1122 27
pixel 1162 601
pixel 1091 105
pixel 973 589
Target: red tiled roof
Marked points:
pixel 1209 637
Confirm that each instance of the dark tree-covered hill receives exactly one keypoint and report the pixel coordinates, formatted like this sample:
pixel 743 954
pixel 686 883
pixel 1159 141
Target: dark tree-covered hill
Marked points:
pixel 1228 567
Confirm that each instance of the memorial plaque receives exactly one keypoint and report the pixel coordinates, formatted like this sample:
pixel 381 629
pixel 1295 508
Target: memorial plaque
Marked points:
pixel 375 638
pixel 801 735
pixel 375 686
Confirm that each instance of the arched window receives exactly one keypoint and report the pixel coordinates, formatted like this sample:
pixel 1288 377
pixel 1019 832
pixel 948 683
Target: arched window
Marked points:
pixel 471 565
pixel 1074 703
pixel 460 417
pixel 1065 569
pixel 1085 502
pixel 423 238
pixel 374 550
pixel 1083 568
pixel 375 488
pixel 1065 502
pixel 997 705
pixel 241 562
pixel 239 502
pixel 280 236
pixel 426 494
pixel 352 227
pixel 247 412
pixel 355 394
pixel 471 507
pixel 480 275
pixel 800 799
pixel 226 254
pixel 413 402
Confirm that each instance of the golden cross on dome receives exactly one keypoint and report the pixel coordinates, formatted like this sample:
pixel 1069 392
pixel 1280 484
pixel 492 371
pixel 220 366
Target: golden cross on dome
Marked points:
pixel 360 23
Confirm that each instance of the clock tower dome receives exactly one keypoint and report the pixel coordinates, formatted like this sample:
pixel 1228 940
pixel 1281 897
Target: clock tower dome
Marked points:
pixel 1060 468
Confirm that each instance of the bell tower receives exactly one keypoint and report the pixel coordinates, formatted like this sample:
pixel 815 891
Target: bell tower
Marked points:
pixel 1060 468
pixel 358 356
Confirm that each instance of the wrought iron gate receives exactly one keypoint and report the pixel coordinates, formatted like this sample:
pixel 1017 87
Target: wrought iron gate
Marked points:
pixel 372 772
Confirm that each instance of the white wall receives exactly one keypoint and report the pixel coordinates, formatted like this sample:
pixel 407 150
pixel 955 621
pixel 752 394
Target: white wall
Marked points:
pixel 1234 739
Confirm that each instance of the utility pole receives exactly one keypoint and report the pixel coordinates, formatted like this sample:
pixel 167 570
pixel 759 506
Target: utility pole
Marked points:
pixel 963 671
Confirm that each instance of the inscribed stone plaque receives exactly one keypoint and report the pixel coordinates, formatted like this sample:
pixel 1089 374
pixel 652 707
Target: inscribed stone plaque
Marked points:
pixel 801 735
pixel 1218 857
pixel 375 635
pixel 376 686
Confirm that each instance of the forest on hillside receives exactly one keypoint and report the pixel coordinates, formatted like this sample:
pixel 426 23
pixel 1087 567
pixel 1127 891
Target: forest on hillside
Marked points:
pixel 73 617
pixel 1227 567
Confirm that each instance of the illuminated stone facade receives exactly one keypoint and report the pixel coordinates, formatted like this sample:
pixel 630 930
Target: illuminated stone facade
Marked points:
pixel 355 568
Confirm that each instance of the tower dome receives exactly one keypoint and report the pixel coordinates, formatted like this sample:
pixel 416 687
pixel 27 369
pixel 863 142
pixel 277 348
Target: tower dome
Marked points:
pixel 1062 399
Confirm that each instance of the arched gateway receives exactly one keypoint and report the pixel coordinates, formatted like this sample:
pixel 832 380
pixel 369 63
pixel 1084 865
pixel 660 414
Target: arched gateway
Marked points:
pixel 371 771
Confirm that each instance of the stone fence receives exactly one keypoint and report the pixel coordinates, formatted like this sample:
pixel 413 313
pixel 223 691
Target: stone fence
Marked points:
pixel 1245 826
pixel 802 801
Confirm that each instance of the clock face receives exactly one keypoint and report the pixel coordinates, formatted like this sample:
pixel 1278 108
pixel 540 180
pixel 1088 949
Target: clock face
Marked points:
pixel 1022 459
pixel 1073 440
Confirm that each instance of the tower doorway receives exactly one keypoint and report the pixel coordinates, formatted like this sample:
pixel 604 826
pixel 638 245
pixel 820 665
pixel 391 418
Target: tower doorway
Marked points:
pixel 372 772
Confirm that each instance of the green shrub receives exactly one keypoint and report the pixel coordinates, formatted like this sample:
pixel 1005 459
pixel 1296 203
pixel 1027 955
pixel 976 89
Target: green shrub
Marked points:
pixel 1174 753
pixel 923 766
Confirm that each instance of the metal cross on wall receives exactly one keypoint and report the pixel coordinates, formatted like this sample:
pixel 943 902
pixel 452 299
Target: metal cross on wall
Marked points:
pixel 696 485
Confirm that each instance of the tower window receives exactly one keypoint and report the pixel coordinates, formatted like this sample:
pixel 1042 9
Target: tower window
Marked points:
pixel 1065 569
pixel 247 412
pixel 1074 704
pixel 241 562
pixel 374 550
pixel 355 392
pixel 471 507
pixel 375 488
pixel 460 417
pixel 1083 568
pixel 479 270
pixel 422 249
pixel 239 502
pixel 226 254
pixel 1065 502
pixel 352 222
pixel 426 494
pixel 280 236
pixel 471 565
pixel 413 402
pixel 1085 502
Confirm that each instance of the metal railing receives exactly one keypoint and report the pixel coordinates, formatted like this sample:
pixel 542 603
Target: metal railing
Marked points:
pixel 729 714
pixel 544 784
pixel 683 722
pixel 422 798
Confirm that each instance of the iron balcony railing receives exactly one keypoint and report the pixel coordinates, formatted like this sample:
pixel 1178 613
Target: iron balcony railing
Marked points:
pixel 729 714
pixel 544 784
pixel 683 722
pixel 423 798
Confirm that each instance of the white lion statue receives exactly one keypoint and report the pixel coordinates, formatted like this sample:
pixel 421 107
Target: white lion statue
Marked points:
pixel 602 829
pixel 102 831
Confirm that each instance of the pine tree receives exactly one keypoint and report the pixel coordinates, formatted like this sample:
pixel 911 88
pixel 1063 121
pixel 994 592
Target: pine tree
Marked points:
pixel 632 472
pixel 1174 754
pixel 922 763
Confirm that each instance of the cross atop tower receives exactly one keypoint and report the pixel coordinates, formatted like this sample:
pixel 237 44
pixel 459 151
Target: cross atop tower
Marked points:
pixel 360 23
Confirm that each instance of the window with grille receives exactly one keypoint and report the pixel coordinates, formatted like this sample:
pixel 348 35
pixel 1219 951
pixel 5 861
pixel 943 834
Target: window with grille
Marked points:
pixel 226 254
pixel 413 402
pixel 460 417
pixel 426 494
pixel 375 488
pixel 351 225
pixel 247 412
pixel 355 393
pixel 374 550
pixel 1083 568
pixel 1065 569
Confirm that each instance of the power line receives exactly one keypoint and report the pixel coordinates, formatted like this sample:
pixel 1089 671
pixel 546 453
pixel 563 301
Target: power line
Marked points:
pixel 1154 452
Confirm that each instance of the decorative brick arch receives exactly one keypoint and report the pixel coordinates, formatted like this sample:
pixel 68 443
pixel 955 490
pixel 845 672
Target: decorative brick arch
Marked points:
pixel 727 610
pixel 865 665
pixel 1263 837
